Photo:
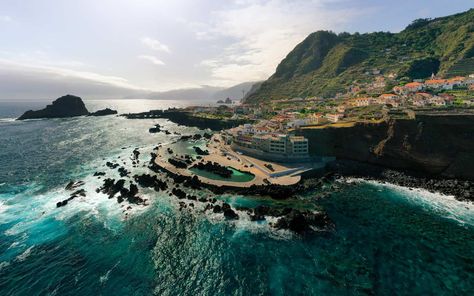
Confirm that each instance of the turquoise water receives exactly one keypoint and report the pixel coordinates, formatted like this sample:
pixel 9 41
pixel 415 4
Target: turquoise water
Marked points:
pixel 388 240
pixel 237 176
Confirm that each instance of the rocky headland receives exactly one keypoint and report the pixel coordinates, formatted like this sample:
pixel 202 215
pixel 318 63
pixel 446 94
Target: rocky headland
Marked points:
pixel 182 117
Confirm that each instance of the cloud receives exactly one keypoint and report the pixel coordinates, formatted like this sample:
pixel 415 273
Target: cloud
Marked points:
pixel 56 69
pixel 155 44
pixel 152 59
pixel 5 18
pixel 262 33
pixel 33 79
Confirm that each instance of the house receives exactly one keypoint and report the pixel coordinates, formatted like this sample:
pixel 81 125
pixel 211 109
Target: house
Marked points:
pixel 297 123
pixel 386 99
pixel 413 87
pixel 398 90
pixel 341 108
pixel 457 81
pixel 360 102
pixel 438 83
pixel 392 75
pixel 261 130
pixel 421 99
pixel 423 95
pixel 449 99
pixel 469 102
pixel 334 117
pixel 437 101
pixel 314 118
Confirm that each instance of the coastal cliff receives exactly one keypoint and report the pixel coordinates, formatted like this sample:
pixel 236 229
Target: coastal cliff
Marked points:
pixel 434 145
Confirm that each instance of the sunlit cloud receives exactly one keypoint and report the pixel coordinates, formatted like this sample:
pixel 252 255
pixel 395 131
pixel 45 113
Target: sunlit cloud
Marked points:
pixel 152 59
pixel 263 32
pixel 202 42
pixel 155 44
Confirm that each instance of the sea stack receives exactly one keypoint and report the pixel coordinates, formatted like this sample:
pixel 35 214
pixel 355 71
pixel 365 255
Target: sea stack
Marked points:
pixel 66 106
pixel 104 112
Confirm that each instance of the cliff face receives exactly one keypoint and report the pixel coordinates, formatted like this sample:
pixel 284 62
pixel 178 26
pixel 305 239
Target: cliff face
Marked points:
pixel 66 106
pixel 431 144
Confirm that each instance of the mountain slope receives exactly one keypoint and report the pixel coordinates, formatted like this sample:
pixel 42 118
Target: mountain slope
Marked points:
pixel 205 93
pixel 235 93
pixel 326 63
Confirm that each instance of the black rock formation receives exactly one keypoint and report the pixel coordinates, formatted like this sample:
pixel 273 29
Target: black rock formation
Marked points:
pixel 199 151
pixel 303 222
pixel 66 106
pixel 103 112
pixel 214 167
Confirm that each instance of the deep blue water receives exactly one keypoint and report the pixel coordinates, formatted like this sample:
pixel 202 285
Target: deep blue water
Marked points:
pixel 388 240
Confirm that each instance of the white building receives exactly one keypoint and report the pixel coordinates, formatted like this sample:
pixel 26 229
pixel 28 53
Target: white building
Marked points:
pixel 334 117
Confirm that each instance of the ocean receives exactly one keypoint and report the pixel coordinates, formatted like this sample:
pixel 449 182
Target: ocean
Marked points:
pixel 387 239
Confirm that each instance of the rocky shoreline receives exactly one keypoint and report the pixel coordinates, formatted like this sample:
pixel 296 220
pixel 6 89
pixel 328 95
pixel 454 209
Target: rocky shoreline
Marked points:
pixel 182 117
pixel 127 191
pixel 298 221
pixel 462 190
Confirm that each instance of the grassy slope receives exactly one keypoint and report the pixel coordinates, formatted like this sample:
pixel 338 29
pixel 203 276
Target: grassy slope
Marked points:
pixel 326 63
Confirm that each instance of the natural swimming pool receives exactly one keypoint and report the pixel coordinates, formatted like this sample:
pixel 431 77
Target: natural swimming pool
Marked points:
pixel 237 176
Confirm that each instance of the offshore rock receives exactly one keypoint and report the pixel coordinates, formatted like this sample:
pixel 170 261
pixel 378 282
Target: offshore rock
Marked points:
pixel 304 222
pixel 66 106
pixel 103 112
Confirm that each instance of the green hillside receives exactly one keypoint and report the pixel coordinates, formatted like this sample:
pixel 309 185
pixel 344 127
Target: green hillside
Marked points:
pixel 326 63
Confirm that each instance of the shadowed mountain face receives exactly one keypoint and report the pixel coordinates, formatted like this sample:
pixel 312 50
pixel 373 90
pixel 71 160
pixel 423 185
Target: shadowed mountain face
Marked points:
pixel 206 93
pixel 326 63
pixel 66 106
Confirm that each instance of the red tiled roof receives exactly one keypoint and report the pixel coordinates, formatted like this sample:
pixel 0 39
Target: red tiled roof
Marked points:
pixel 413 84
pixel 435 81
pixel 386 95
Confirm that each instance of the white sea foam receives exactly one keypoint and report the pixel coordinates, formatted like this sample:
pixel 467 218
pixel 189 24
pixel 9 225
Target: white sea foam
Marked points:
pixel 14 245
pixel 3 207
pixel 245 225
pixel 104 278
pixel 4 264
pixel 445 205
pixel 22 257
pixel 6 120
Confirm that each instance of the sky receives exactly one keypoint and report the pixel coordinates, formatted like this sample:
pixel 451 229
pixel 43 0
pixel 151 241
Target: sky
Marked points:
pixel 119 48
